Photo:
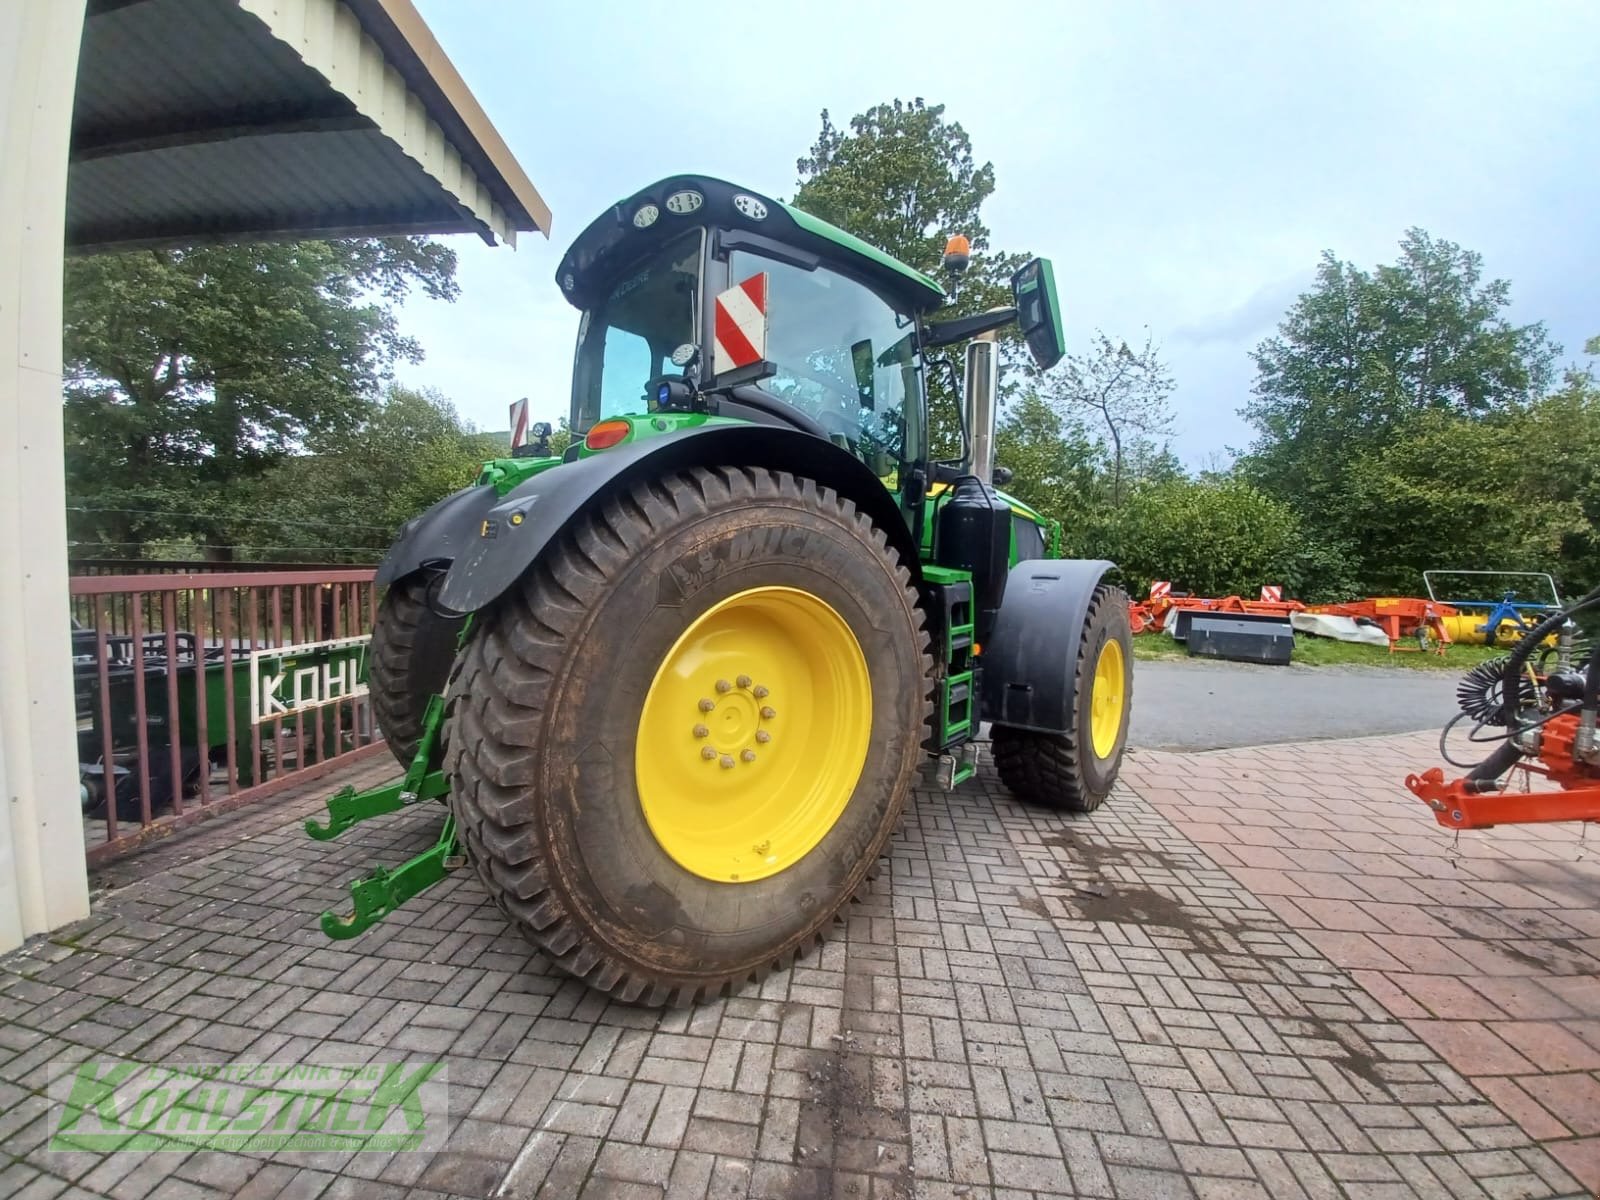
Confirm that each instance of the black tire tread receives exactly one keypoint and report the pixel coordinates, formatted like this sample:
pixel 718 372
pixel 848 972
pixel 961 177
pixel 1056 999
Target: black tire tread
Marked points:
pixel 508 668
pixel 391 656
pixel 1046 768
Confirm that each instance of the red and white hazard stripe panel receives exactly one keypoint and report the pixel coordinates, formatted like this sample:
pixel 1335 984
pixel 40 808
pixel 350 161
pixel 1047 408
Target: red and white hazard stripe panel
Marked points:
pixel 741 325
pixel 519 423
pixel 1160 589
pixel 1271 592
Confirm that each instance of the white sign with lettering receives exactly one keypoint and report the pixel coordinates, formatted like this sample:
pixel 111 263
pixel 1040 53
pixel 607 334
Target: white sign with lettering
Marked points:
pixel 285 680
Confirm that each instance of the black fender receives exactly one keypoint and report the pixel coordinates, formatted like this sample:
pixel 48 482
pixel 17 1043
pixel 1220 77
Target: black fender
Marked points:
pixel 1029 657
pixel 513 532
pixel 435 537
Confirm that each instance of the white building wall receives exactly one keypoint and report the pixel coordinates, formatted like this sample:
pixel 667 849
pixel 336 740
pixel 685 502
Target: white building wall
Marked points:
pixel 43 881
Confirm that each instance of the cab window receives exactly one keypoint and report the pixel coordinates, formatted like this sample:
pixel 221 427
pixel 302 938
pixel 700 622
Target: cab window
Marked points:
pixel 628 338
pixel 845 357
pixel 626 362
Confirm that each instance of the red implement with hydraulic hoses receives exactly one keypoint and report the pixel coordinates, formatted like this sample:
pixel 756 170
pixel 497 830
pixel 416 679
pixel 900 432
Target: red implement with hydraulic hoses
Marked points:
pixel 1537 707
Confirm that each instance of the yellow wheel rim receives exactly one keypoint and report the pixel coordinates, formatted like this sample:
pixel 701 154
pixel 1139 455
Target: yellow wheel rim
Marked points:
pixel 1110 690
pixel 753 734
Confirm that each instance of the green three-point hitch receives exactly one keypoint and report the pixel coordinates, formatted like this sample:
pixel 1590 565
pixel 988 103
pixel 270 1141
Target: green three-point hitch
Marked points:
pixel 379 893
pixel 696 660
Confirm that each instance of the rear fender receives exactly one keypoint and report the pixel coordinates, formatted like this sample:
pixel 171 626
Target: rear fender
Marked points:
pixel 438 535
pixel 510 534
pixel 1029 658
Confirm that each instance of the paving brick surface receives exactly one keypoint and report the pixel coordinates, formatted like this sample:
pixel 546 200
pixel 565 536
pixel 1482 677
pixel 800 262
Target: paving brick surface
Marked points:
pixel 1133 1003
pixel 1486 946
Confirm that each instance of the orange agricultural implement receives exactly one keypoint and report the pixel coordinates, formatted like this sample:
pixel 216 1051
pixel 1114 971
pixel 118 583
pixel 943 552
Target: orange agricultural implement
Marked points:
pixel 1152 613
pixel 1537 707
pixel 1141 619
pixel 1402 618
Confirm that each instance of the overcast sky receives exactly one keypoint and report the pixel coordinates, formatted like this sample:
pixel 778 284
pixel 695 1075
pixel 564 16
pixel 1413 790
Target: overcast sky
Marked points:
pixel 1184 164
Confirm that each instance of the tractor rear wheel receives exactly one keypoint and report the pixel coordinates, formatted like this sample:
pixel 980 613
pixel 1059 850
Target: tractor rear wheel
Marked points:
pixel 680 745
pixel 1075 771
pixel 409 660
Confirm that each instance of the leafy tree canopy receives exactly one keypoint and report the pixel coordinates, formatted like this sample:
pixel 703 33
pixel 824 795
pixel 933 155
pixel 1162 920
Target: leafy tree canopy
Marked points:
pixel 191 370
pixel 1364 351
pixel 1211 537
pixel 904 178
pixel 358 486
pixel 1054 462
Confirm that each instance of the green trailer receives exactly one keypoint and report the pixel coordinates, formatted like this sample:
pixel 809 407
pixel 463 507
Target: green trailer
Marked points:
pixel 123 704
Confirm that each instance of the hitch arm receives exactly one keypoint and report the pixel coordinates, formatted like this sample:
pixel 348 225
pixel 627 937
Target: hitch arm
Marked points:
pixel 1465 804
pixel 349 806
pixel 422 781
pixel 377 895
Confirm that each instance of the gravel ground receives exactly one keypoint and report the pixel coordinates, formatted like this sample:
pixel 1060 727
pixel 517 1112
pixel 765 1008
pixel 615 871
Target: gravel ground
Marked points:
pixel 1210 705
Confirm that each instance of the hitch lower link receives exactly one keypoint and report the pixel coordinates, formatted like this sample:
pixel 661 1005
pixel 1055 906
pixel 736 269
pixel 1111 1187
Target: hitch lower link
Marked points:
pixel 1475 804
pixel 384 889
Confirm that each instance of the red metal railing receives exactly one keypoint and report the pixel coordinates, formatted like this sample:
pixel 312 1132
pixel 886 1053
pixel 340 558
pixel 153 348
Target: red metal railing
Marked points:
pixel 171 729
pixel 188 566
pixel 118 621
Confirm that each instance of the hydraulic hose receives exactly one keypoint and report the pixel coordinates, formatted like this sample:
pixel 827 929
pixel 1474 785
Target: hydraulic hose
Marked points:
pixel 1484 776
pixel 1509 687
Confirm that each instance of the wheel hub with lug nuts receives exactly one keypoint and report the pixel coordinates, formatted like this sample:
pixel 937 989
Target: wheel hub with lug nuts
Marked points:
pixel 736 724
pixel 753 734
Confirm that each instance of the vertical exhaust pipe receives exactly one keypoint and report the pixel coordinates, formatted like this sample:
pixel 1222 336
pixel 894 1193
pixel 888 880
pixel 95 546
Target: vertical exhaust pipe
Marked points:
pixel 982 387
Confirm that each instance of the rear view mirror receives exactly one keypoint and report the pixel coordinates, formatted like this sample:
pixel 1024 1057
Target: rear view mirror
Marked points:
pixel 1039 312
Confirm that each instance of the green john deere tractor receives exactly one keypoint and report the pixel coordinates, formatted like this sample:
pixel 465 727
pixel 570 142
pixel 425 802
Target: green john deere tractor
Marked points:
pixel 676 683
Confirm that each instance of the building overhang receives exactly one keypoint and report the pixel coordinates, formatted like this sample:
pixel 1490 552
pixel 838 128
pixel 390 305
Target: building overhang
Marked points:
pixel 219 120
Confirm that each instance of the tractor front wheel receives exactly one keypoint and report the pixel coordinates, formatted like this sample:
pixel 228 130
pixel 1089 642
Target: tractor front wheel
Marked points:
pixel 413 646
pixel 1075 771
pixel 681 744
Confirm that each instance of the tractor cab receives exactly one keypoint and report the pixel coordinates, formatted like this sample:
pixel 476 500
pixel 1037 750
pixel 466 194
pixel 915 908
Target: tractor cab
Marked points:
pixel 701 298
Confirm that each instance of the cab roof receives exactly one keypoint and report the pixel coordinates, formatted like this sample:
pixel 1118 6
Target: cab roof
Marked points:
pixel 620 236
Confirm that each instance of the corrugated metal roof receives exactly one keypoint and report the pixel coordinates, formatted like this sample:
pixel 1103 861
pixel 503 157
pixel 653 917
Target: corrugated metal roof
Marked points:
pixel 177 62
pixel 199 119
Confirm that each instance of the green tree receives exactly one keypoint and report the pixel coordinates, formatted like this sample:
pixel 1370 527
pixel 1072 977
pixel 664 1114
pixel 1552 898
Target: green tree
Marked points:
pixel 1147 461
pixel 1364 351
pixel 1559 441
pixel 1451 492
pixel 1127 389
pixel 353 488
pixel 905 178
pixel 560 437
pixel 1213 537
pixel 190 371
pixel 1053 460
